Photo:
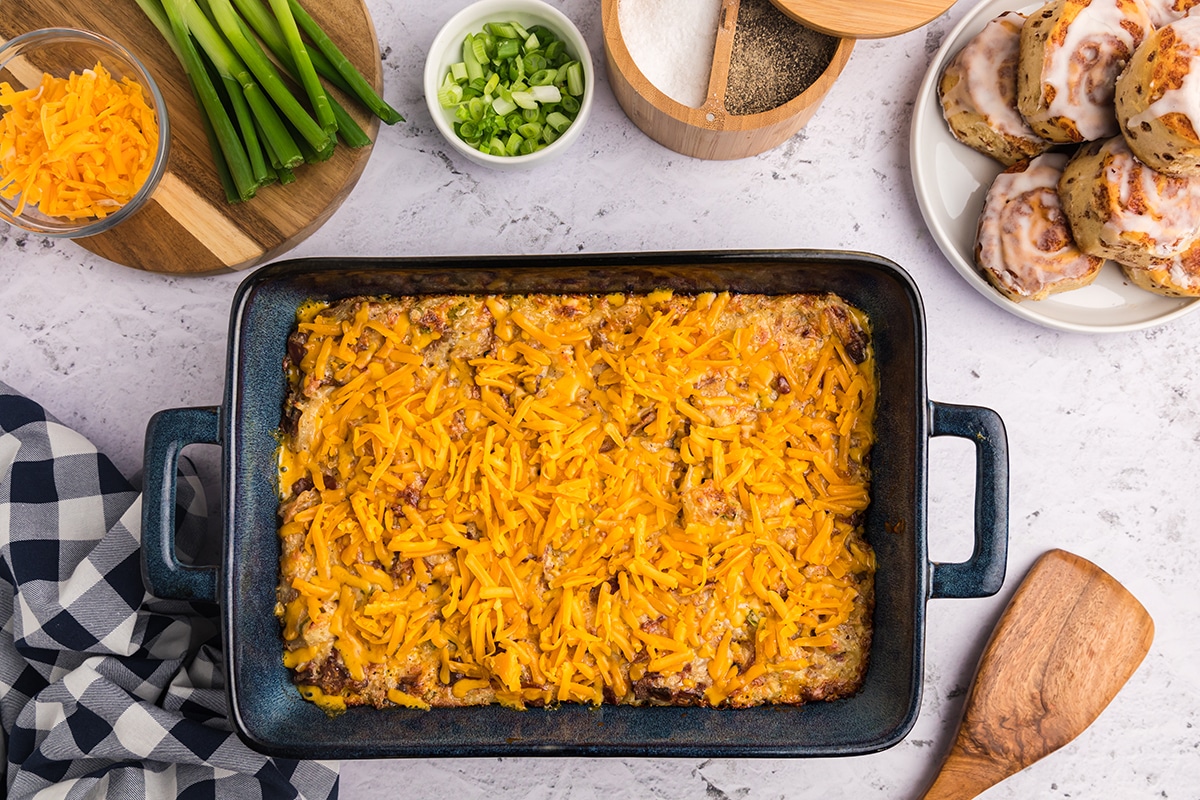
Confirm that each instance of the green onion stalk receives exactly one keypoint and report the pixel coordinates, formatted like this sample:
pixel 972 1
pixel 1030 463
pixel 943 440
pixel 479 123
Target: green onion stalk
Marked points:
pixel 155 13
pixel 231 145
pixel 264 24
pixel 358 84
pixel 259 124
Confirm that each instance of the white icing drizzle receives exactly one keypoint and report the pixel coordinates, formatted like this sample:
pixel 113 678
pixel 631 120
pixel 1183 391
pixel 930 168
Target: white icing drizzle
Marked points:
pixel 1182 277
pixel 1166 209
pixel 1185 99
pixel 1083 69
pixel 1023 235
pixel 988 81
pixel 1181 273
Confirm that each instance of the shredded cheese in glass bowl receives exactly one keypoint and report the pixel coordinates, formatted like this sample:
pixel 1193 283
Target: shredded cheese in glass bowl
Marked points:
pixel 83 133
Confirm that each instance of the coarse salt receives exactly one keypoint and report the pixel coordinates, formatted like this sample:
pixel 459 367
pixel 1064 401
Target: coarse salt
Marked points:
pixel 671 42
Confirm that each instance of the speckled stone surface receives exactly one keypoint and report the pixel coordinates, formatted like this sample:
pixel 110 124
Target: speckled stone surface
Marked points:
pixel 1104 430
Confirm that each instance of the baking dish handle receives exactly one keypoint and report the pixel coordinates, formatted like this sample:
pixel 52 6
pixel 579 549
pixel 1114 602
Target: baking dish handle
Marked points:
pixel 982 574
pixel 167 434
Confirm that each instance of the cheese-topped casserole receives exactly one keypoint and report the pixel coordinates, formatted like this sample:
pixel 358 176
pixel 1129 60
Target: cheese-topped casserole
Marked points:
pixel 537 499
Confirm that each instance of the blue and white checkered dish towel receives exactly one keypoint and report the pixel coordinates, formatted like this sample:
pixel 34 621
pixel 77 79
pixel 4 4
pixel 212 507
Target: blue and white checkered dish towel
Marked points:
pixel 106 691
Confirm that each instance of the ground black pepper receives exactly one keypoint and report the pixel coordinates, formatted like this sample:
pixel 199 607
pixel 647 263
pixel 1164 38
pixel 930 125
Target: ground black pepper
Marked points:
pixel 774 58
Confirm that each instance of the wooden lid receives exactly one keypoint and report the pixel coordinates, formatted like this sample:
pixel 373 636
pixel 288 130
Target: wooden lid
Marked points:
pixel 864 19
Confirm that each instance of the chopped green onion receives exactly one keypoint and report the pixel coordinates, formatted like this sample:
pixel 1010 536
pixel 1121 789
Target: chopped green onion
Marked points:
pixel 504 30
pixel 470 60
pixel 515 90
pixel 502 106
pixel 449 94
pixel 509 48
pixel 477 107
pixel 479 49
pixel 545 94
pixel 575 78
pixel 557 121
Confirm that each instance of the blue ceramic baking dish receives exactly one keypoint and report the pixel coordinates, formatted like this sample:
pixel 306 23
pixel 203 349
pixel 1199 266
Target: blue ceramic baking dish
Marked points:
pixel 269 713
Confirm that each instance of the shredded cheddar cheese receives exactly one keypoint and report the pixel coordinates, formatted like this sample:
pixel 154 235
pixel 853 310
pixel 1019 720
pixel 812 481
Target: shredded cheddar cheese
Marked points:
pixel 76 147
pixel 544 499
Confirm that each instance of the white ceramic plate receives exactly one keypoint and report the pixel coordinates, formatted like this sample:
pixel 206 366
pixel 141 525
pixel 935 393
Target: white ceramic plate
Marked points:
pixel 951 181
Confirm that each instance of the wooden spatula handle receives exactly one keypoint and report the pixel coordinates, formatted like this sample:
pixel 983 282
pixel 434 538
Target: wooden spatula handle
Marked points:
pixel 964 777
pixel 1067 642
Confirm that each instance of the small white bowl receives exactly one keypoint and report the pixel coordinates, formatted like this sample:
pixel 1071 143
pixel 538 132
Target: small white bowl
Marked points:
pixel 446 49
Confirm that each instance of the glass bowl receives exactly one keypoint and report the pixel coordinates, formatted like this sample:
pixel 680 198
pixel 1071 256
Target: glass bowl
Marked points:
pixel 446 49
pixel 59 52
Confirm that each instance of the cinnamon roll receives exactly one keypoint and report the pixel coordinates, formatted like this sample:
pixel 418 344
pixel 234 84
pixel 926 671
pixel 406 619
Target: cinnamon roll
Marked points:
pixel 1120 208
pixel 1164 12
pixel 1023 245
pixel 1071 54
pixel 978 93
pixel 1158 99
pixel 1176 277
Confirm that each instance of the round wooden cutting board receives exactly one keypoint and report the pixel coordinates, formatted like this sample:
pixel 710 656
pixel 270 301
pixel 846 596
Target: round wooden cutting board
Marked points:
pixel 188 227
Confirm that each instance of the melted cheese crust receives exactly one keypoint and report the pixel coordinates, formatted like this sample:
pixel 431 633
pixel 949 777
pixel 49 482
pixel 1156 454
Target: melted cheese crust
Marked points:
pixel 541 499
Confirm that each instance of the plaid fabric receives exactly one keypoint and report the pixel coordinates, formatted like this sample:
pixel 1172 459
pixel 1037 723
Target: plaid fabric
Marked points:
pixel 106 691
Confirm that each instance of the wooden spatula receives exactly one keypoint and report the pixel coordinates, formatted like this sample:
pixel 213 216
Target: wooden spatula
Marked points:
pixel 1067 642
pixel 864 19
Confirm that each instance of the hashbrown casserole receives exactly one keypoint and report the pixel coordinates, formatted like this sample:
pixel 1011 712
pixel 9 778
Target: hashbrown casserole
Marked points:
pixel 535 499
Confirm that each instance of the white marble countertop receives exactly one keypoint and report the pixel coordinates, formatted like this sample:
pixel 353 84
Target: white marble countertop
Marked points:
pixel 1104 430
